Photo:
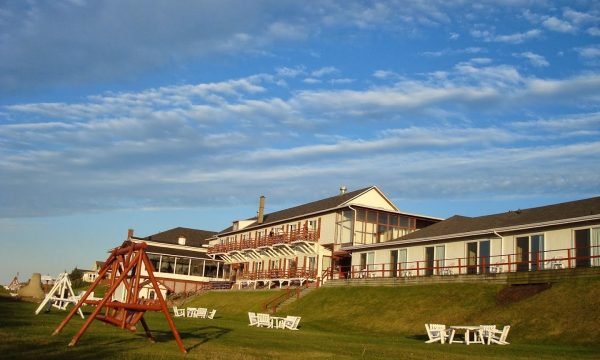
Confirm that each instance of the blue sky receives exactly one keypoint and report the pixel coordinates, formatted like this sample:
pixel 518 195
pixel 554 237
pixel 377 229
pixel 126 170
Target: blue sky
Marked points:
pixel 117 115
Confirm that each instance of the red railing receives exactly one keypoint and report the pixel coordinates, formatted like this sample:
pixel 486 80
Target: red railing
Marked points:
pixel 272 305
pixel 536 261
pixel 266 240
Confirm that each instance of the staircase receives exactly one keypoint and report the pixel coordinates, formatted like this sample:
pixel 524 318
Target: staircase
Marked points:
pixel 303 292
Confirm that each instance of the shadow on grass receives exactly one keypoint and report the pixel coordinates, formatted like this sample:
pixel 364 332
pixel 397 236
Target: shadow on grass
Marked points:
pixel 197 336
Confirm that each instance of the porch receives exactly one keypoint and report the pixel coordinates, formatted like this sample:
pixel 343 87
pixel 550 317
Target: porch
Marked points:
pixel 496 266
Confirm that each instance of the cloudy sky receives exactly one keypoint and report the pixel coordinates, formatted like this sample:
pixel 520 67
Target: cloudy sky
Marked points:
pixel 118 114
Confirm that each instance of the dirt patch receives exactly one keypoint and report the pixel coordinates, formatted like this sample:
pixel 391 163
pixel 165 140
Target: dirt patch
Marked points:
pixel 514 293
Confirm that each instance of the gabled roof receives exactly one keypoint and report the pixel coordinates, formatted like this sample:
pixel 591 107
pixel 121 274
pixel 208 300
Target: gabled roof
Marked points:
pixel 305 209
pixel 193 237
pixel 457 225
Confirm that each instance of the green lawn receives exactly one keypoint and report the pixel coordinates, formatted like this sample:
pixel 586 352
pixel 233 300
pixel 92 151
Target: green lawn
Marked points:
pixel 337 323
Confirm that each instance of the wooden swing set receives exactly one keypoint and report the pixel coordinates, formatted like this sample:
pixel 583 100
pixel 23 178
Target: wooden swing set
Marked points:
pixel 124 265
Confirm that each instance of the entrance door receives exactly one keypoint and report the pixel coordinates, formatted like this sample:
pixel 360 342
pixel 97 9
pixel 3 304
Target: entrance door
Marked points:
pixel 429 259
pixel 472 258
pixel 523 253
pixel 394 263
pixel 484 257
pixel 582 248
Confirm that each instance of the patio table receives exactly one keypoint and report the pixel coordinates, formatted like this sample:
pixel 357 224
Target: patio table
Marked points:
pixel 277 322
pixel 467 331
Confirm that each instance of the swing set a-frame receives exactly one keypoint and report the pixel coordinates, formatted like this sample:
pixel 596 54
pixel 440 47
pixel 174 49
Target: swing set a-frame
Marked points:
pixel 125 266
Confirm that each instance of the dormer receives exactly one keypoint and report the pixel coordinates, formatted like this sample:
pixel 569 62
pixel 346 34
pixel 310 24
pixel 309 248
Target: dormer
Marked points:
pixel 241 224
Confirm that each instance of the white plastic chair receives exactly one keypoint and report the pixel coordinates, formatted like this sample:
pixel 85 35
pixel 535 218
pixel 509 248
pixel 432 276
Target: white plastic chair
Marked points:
pixel 499 336
pixel 263 320
pixel 253 319
pixel 191 312
pixel 211 314
pixel 201 313
pixel 178 312
pixel 291 322
pixel 438 332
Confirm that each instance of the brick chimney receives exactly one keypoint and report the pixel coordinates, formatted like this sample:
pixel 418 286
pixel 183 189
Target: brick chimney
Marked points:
pixel 261 210
pixel 129 234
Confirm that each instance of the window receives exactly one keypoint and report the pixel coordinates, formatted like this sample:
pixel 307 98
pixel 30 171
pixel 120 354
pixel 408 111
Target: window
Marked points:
pixel 154 260
pixel 167 264
pixel 196 267
pixel 182 266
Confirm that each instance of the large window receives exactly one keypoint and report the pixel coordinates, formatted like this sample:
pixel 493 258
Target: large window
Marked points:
pixel 344 227
pixel 155 261
pixel 182 266
pixel 374 226
pixel 167 264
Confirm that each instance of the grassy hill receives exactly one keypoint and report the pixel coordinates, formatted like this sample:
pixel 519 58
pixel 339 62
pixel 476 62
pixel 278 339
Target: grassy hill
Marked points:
pixel 568 312
pixel 337 323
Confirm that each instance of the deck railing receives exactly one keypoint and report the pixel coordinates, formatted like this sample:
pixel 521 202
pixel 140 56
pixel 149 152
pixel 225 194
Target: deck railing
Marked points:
pixel 266 240
pixel 278 274
pixel 532 261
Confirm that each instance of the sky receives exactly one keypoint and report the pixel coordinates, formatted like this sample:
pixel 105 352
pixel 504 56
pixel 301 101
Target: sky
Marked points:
pixel 153 115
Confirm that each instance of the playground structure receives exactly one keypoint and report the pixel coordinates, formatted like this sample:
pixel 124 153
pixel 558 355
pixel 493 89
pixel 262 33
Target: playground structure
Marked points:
pixel 61 295
pixel 122 305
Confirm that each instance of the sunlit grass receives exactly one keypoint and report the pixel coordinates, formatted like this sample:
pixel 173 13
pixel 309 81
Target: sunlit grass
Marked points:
pixel 337 323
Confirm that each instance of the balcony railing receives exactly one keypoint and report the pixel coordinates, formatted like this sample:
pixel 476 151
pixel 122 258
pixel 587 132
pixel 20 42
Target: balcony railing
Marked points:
pixel 266 240
pixel 536 261
pixel 300 273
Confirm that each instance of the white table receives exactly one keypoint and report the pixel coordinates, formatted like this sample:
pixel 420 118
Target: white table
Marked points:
pixel 277 322
pixel 467 331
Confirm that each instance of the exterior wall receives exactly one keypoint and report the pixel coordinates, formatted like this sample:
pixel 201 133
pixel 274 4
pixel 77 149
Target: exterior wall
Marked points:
pixel 557 245
pixel 327 229
pixel 374 199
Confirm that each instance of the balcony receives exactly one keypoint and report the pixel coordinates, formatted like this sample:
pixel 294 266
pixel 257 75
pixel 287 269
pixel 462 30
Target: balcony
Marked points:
pixel 273 245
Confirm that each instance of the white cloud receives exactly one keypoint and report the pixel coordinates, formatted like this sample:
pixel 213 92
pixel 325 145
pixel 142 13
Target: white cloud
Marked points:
pixel 590 52
pixel 515 38
pixel 594 31
pixel 328 70
pixel 385 74
pixel 535 59
pixel 555 24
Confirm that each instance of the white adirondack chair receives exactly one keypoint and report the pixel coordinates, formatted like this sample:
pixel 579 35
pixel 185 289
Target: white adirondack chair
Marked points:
pixel 499 336
pixel 291 322
pixel 484 332
pixel 211 314
pixel 253 319
pixel 438 332
pixel 178 312
pixel 201 313
pixel 191 312
pixel 263 320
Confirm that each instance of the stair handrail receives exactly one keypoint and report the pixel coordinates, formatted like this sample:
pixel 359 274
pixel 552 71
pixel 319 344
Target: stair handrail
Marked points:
pixel 272 305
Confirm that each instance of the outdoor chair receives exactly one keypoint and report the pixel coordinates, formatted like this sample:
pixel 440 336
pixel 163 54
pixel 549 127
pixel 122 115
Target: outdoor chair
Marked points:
pixel 291 322
pixel 178 312
pixel 211 314
pixel 253 319
pixel 191 312
pixel 484 332
pixel 201 313
pixel 263 320
pixel 499 336
pixel 438 332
